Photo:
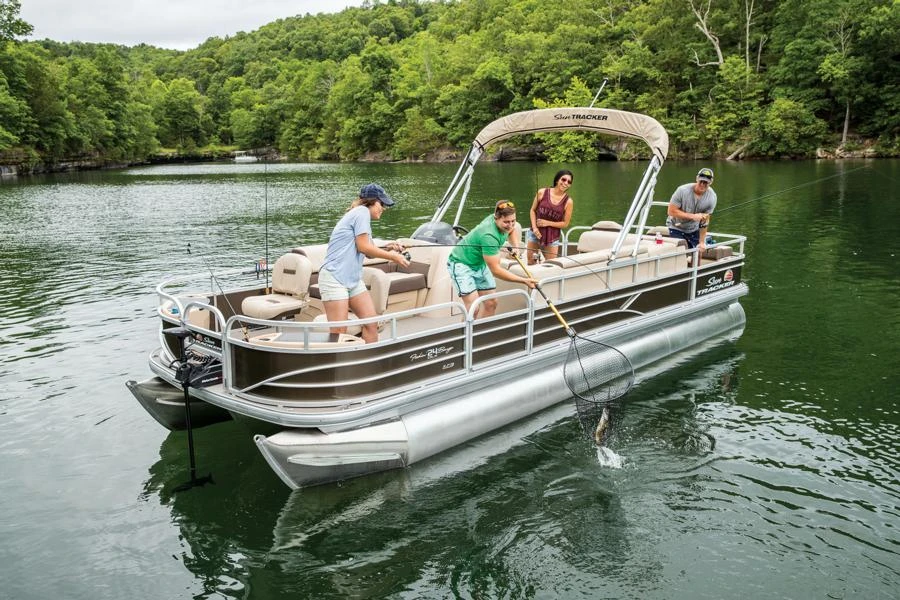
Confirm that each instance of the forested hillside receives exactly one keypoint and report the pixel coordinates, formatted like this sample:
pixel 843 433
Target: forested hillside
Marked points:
pixel 402 79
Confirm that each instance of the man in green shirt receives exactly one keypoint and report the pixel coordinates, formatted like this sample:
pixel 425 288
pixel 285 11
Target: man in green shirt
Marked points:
pixel 475 261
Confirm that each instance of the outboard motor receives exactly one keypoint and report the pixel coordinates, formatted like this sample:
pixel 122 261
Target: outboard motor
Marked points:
pixel 436 232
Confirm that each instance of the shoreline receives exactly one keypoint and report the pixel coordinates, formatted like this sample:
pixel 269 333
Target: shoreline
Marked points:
pixel 504 154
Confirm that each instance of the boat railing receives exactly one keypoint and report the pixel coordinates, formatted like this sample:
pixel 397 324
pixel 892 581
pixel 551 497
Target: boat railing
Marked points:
pixel 166 286
pixel 181 295
pixel 174 292
pixel 387 322
pixel 604 271
pixel 307 337
pixel 504 321
pixel 721 239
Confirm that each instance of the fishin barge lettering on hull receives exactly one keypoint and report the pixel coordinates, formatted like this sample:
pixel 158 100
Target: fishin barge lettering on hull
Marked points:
pixel 431 353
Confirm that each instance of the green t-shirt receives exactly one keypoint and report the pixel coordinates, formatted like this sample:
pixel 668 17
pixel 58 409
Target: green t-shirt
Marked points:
pixel 485 239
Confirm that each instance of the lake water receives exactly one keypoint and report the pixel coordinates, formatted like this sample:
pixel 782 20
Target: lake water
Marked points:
pixel 764 467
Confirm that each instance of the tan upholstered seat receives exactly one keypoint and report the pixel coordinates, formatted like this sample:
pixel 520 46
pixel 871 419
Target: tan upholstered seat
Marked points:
pixel 379 285
pixel 716 252
pixel 606 226
pixel 290 285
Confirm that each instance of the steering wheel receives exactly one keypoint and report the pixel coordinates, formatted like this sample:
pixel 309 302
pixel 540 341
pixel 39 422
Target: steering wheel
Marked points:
pixel 460 231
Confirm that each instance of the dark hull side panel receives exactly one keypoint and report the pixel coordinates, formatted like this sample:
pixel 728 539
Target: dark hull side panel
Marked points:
pixel 306 377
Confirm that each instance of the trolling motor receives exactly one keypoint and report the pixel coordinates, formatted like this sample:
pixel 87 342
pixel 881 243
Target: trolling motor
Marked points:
pixel 190 373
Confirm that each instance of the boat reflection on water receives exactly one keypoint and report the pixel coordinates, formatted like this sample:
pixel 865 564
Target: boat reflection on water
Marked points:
pixel 535 485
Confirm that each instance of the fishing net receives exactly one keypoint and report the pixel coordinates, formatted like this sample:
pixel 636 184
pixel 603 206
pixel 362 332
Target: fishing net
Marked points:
pixel 596 372
pixel 595 420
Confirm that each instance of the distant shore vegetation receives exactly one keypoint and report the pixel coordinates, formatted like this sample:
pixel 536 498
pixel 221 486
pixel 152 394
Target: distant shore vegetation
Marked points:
pixel 416 80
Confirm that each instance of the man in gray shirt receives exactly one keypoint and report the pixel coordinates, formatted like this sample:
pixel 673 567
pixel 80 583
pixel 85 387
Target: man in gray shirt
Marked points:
pixel 689 210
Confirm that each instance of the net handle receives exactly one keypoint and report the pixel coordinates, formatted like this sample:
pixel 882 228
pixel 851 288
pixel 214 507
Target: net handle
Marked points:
pixel 537 286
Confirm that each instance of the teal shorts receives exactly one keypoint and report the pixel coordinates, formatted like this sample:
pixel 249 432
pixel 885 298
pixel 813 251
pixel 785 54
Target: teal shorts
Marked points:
pixel 467 280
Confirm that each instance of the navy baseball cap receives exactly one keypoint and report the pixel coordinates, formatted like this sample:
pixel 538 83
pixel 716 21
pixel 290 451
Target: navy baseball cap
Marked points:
pixel 705 174
pixel 373 190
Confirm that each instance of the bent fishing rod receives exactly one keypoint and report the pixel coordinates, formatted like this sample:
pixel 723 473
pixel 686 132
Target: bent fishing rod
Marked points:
pixel 795 187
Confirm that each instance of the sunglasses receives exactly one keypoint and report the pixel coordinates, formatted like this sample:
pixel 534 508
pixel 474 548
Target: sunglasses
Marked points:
pixel 505 204
pixel 565 180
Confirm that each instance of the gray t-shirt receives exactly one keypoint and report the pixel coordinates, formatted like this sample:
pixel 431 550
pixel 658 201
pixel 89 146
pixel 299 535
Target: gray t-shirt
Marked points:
pixel 685 199
pixel 342 259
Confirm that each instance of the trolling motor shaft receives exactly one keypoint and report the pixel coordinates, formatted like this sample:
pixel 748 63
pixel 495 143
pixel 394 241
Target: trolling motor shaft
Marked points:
pixel 186 375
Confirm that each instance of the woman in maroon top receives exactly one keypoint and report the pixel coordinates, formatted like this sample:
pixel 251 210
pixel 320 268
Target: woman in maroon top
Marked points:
pixel 551 211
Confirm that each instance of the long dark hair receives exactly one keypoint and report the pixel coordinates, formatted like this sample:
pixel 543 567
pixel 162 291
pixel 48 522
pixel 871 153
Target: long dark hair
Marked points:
pixel 560 173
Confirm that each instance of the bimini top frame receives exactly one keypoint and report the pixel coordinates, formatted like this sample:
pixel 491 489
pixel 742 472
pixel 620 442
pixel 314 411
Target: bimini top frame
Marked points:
pixel 598 120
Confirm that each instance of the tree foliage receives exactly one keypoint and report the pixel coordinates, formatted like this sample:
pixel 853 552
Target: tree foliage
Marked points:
pixel 405 78
pixel 11 26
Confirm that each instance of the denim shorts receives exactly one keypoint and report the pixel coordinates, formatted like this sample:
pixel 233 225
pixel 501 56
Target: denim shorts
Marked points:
pixel 692 239
pixel 467 280
pixel 532 239
pixel 331 289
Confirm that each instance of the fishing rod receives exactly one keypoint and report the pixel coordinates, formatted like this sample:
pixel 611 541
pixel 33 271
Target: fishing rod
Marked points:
pixel 215 279
pixel 266 199
pixel 764 196
pixel 597 273
pixel 597 95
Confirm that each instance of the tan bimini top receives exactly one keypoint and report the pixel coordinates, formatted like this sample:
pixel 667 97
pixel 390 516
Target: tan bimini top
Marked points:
pixel 599 120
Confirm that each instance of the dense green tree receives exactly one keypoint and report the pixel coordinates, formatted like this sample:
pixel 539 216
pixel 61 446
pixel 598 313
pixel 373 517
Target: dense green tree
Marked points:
pixel 50 124
pixel 876 71
pixel 786 128
pixel 11 26
pixel 138 132
pixel 570 146
pixel 477 100
pixel 86 100
pixel 731 105
pixel 404 78
pixel 179 115
pixel 418 135
pixel 14 114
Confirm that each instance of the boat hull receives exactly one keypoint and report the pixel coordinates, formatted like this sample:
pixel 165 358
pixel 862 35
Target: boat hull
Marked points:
pixel 305 457
pixel 166 404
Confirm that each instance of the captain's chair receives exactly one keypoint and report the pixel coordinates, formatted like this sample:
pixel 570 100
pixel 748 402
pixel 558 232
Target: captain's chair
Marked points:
pixel 290 287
